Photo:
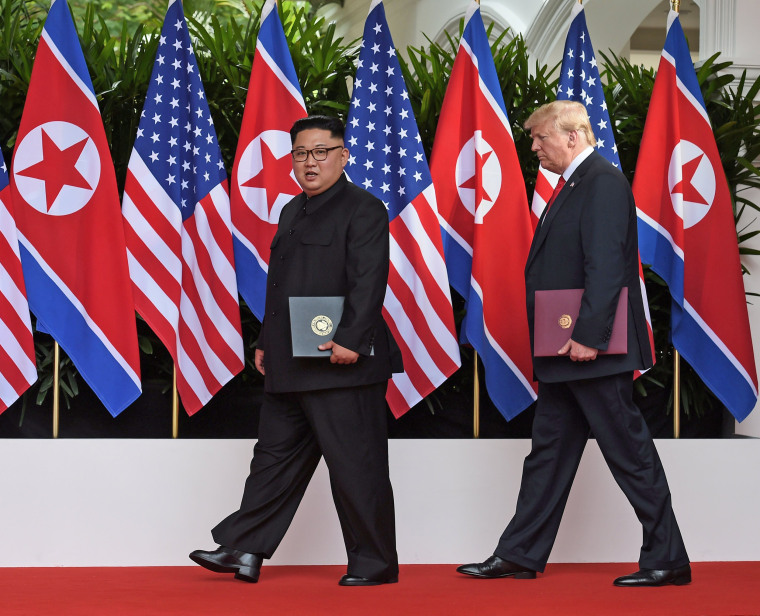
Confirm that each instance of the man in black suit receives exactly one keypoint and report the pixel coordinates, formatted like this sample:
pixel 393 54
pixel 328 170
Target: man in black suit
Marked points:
pixel 332 240
pixel 587 239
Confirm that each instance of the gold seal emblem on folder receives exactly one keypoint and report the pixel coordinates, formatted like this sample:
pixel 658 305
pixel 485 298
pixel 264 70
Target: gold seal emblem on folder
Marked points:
pixel 565 321
pixel 321 325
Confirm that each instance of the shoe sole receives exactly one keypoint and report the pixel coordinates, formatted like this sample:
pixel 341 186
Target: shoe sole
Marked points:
pixel 212 566
pixel 520 575
pixel 679 581
pixel 247 574
pixel 368 583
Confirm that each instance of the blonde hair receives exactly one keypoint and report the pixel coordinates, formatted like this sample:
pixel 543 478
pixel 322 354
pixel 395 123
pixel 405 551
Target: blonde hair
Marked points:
pixel 564 116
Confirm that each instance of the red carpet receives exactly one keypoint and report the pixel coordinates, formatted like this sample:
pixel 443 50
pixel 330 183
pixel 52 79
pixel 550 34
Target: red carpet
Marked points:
pixel 718 589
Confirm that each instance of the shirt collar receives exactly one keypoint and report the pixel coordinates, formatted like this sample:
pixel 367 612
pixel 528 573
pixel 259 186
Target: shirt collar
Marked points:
pixel 576 162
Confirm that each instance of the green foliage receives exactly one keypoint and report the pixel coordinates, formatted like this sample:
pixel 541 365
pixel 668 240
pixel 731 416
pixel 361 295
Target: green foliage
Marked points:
pixel 120 42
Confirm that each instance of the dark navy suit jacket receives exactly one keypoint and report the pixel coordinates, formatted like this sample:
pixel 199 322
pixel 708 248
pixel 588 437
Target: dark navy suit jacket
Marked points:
pixel 588 239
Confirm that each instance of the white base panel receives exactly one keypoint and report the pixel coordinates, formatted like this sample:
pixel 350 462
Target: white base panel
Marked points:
pixel 150 502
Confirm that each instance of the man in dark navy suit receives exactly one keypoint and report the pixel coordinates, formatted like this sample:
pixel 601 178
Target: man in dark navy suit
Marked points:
pixel 587 239
pixel 331 240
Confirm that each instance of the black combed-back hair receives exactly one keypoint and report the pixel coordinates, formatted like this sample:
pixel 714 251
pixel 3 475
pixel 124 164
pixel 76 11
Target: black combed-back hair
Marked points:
pixel 322 122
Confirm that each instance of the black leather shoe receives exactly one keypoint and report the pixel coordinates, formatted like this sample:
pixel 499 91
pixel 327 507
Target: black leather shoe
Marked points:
pixel 656 577
pixel 495 567
pixel 245 566
pixel 355 580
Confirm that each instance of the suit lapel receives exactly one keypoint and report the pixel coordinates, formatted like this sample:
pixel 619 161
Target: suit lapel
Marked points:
pixel 542 230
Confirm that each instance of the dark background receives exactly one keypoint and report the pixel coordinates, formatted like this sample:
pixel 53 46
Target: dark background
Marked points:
pixel 234 413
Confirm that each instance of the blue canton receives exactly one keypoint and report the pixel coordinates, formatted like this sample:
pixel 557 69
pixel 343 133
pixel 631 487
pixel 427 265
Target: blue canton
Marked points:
pixel 386 154
pixel 176 137
pixel 580 81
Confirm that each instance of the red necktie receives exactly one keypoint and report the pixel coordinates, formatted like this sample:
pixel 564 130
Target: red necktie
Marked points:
pixel 557 188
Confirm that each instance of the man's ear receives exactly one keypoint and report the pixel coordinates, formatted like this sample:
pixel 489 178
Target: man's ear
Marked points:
pixel 572 138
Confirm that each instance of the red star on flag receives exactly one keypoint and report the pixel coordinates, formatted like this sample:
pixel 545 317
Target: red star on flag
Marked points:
pixel 687 188
pixel 279 168
pixel 475 182
pixel 57 168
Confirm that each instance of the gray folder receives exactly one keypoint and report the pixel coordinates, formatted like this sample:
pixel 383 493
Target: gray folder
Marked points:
pixel 313 321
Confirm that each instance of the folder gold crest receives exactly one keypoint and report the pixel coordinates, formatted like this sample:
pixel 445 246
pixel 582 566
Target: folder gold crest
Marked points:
pixel 312 322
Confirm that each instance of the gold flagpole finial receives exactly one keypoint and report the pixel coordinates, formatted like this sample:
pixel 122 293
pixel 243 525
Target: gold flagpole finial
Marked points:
pixel 676 4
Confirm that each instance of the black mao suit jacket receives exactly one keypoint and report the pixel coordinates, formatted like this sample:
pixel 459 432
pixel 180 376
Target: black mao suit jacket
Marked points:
pixel 588 239
pixel 335 243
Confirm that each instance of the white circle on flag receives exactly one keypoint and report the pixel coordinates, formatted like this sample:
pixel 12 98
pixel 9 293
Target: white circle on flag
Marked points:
pixel 691 182
pixel 477 157
pixel 251 164
pixel 48 143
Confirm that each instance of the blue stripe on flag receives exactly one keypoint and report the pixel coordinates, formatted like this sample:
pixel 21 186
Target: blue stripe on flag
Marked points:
pixel 717 371
pixel 482 50
pixel 91 357
pixel 458 264
pixel 272 37
pixel 508 393
pixel 59 27
pixel 665 262
pixel 676 46
pixel 251 278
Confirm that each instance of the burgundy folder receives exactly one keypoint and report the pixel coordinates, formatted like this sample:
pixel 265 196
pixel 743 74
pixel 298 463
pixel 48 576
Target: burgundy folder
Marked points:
pixel 555 316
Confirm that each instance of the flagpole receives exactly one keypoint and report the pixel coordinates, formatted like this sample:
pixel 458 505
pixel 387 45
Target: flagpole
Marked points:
pixel 175 404
pixel 475 390
pixel 475 399
pixel 676 394
pixel 676 4
pixel 56 388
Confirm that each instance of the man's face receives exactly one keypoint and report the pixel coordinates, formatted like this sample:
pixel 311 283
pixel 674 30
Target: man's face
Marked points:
pixel 554 148
pixel 317 176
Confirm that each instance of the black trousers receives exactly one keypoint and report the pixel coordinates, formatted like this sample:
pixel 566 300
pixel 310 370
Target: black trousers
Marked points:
pixel 347 426
pixel 565 414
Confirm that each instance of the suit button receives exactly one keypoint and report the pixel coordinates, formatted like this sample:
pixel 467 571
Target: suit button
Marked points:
pixel 274 313
pixel 291 232
pixel 274 284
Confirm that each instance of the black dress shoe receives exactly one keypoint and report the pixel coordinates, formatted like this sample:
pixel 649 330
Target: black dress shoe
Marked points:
pixel 355 580
pixel 656 577
pixel 495 567
pixel 245 566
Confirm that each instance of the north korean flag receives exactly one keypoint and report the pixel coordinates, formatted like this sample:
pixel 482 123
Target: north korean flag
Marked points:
pixel 485 219
pixel 688 234
pixel 262 175
pixel 66 206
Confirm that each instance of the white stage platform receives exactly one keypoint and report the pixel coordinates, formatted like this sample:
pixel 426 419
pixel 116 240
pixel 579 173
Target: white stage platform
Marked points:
pixel 150 502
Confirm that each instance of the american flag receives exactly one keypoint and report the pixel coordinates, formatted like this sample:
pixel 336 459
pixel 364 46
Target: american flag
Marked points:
pixel 387 159
pixel 17 366
pixel 177 220
pixel 579 81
